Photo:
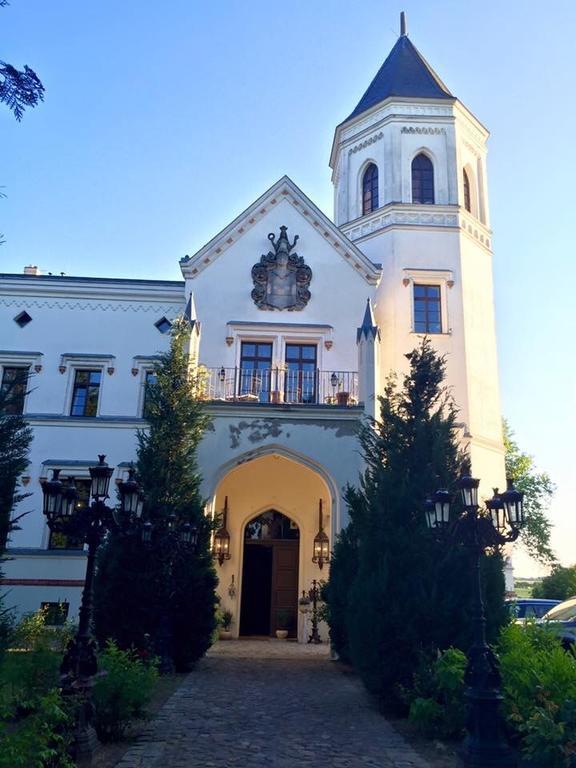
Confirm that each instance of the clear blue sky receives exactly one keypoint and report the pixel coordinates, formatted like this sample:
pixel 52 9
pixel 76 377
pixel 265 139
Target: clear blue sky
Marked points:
pixel 162 121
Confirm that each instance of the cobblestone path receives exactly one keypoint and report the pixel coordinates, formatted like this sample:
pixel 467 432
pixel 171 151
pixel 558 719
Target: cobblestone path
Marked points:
pixel 282 705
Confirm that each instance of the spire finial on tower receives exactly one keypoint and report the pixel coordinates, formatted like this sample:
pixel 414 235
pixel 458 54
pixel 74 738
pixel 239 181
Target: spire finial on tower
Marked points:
pixel 403 24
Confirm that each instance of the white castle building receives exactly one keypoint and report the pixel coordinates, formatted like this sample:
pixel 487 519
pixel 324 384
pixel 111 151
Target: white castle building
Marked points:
pixel 301 320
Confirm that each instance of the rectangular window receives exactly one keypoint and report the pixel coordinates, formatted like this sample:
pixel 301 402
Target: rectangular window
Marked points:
pixel 255 369
pixel 301 373
pixel 85 393
pixel 61 540
pixel 150 379
pixel 427 309
pixel 13 387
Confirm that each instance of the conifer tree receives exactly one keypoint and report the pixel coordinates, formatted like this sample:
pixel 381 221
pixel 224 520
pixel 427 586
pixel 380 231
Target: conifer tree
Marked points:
pixel 15 439
pixel 132 592
pixel 410 595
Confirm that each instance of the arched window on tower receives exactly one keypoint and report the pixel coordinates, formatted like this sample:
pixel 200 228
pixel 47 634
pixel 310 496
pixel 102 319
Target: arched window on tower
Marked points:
pixel 422 179
pixel 370 189
pixel 467 203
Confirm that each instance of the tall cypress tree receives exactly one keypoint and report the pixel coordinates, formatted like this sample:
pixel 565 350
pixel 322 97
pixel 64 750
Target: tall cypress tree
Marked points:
pixel 132 596
pixel 409 594
pixel 15 439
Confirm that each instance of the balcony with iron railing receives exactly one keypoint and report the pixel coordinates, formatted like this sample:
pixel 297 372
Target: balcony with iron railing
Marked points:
pixel 280 386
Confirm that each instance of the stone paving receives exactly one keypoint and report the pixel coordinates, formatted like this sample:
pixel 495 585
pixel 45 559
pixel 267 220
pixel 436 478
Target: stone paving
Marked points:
pixel 251 704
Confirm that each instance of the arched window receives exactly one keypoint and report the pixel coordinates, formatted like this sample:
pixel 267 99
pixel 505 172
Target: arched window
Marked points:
pixel 370 189
pixel 467 204
pixel 422 179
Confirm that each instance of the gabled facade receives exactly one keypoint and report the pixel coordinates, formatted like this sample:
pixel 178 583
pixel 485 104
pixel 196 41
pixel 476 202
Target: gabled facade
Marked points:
pixel 297 322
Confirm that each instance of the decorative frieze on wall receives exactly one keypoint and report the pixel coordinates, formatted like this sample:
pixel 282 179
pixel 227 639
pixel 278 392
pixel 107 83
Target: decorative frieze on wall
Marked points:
pixel 415 217
pixel 475 229
pixel 395 109
pixel 120 306
pixel 366 143
pixel 423 129
pixel 393 218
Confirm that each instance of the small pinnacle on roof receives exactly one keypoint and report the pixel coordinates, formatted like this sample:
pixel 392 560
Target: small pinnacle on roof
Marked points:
pixel 368 327
pixel 190 311
pixel 403 31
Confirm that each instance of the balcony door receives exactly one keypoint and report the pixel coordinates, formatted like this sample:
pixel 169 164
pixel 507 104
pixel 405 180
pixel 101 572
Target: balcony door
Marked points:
pixel 255 369
pixel 301 373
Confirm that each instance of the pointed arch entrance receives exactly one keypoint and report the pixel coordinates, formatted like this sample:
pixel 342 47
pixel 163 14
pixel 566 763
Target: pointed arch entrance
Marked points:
pixel 269 599
pixel 272 518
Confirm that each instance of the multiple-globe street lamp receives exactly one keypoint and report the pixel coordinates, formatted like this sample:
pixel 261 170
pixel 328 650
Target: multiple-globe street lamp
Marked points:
pixel 479 529
pixel 90 524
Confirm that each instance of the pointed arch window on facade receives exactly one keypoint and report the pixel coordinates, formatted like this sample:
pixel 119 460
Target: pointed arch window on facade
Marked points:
pixel 466 180
pixel 422 180
pixel 370 189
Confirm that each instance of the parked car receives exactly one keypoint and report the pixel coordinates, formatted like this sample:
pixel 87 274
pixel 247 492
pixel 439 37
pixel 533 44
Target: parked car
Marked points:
pixel 522 608
pixel 562 620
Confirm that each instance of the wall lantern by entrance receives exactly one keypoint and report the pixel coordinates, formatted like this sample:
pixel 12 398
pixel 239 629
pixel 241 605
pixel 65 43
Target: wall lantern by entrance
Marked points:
pixel 321 542
pixel 221 545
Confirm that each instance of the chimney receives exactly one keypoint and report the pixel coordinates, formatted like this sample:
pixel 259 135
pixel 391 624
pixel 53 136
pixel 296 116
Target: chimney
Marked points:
pixel 31 270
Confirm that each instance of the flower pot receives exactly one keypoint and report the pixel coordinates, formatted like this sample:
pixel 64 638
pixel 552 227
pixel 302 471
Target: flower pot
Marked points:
pixel 342 398
pixel 225 634
pixel 281 634
pixel 276 396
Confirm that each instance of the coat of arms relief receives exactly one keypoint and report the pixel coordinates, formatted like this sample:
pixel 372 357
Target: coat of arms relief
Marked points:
pixel 281 278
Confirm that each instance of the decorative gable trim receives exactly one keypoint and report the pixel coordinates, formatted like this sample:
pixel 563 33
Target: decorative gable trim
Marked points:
pixel 284 189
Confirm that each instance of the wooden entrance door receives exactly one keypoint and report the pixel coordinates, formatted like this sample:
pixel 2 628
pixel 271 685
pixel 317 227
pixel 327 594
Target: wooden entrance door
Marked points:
pixel 285 584
pixel 270 575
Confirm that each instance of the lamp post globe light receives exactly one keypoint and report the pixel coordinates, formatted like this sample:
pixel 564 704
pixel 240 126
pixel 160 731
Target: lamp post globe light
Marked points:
pixel 478 529
pixel 89 524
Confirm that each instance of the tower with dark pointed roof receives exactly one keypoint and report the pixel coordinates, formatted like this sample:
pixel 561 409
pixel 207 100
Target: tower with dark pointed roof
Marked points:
pixel 410 191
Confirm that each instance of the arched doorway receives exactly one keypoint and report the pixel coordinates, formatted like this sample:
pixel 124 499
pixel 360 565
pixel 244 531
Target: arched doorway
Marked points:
pixel 270 575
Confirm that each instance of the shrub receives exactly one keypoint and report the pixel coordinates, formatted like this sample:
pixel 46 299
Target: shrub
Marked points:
pixel 437 705
pixel 123 693
pixel 336 593
pixel 31 668
pixel 539 685
pixel 40 740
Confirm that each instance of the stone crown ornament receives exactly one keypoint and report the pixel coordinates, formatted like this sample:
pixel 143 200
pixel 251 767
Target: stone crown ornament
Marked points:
pixel 281 278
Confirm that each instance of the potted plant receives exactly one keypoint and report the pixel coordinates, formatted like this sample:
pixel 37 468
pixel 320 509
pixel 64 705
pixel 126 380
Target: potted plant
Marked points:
pixel 225 632
pixel 283 623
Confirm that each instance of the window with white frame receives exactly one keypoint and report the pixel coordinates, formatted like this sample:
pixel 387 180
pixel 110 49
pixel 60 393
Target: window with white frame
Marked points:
pixel 16 368
pixel 429 299
pixel 85 392
pixel 85 381
pixel 13 386
pixel 58 540
pixel 427 309
pixel 149 380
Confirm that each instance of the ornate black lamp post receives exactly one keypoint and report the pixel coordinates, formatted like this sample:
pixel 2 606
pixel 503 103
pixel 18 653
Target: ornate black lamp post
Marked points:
pixel 89 524
pixel 312 597
pixel 479 529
